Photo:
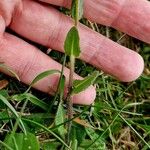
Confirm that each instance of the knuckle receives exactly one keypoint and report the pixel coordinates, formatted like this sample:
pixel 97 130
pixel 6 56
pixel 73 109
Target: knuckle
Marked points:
pixel 56 31
pixel 7 9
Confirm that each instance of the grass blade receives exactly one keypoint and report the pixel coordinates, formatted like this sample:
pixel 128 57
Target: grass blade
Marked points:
pixel 5 101
pixel 32 99
pixel 41 76
pixel 48 130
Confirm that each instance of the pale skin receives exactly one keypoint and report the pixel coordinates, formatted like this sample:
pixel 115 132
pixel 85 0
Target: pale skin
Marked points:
pixel 43 24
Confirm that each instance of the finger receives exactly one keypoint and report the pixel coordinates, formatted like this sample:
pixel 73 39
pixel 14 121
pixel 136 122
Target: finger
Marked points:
pixel 129 16
pixel 52 27
pixel 8 7
pixel 28 62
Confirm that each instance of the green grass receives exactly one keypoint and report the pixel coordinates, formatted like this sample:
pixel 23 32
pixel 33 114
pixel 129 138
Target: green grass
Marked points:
pixel 119 119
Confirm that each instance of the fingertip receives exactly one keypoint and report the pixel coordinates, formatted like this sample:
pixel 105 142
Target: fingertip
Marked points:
pixel 133 68
pixel 86 97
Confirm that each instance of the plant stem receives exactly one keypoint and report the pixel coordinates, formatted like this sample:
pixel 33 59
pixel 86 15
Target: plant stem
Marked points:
pixel 77 13
pixel 69 97
pixel 70 86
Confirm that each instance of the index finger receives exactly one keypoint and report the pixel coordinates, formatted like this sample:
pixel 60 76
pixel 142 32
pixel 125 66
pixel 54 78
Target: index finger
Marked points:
pixel 129 16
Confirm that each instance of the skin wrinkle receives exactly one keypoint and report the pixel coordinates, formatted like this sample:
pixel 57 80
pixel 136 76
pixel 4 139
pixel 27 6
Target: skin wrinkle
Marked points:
pixel 28 65
pixel 128 18
pixel 131 11
pixel 36 28
pixel 55 33
pixel 109 12
pixel 88 48
pixel 8 54
pixel 94 49
pixel 59 34
pixel 99 59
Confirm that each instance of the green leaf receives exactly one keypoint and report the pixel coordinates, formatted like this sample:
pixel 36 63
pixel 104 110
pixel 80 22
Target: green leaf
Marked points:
pixel 20 141
pixel 32 99
pixel 71 45
pixel 77 9
pixel 4 93
pixel 4 100
pixel 42 75
pixel 62 86
pixel 59 119
pixel 81 85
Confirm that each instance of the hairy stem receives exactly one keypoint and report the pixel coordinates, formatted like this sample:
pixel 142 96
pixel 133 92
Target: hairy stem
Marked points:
pixel 77 13
pixel 69 97
pixel 70 86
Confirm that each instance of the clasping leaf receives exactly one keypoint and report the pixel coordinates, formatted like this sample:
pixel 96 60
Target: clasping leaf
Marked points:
pixel 71 46
pixel 81 85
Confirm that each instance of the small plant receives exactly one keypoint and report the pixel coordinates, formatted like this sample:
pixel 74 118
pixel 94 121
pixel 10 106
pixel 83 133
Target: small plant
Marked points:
pixel 72 49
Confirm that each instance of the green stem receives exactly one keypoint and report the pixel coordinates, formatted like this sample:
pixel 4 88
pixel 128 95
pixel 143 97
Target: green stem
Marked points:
pixel 77 13
pixel 70 86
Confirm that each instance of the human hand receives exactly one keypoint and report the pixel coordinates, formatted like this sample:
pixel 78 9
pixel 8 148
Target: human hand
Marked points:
pixel 43 24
